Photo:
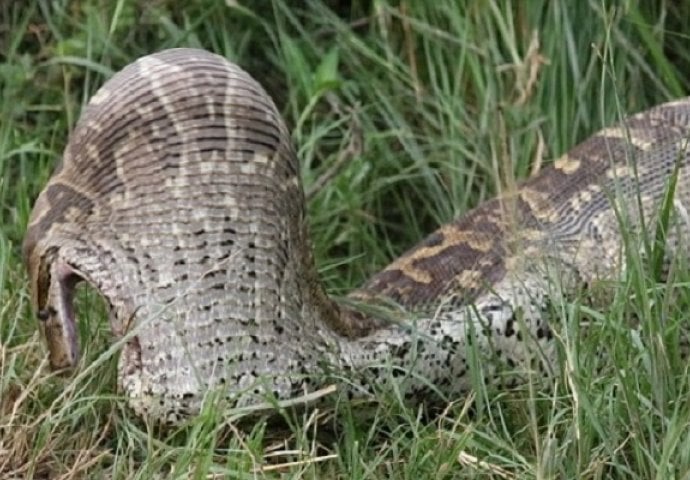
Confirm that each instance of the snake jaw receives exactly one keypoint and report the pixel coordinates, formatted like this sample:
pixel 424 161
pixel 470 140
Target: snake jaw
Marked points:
pixel 57 318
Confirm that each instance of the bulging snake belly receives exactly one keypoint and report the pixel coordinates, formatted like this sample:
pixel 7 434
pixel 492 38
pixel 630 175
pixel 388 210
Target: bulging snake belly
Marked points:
pixel 179 199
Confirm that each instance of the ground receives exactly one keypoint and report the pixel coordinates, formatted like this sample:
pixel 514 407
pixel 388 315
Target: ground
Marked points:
pixel 405 114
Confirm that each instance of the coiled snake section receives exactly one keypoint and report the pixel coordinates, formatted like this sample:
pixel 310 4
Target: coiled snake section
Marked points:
pixel 179 199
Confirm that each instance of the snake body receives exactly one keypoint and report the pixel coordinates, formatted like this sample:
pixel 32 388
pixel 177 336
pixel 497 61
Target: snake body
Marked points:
pixel 179 199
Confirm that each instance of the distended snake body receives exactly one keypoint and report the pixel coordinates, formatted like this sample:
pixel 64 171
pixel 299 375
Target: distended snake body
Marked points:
pixel 179 199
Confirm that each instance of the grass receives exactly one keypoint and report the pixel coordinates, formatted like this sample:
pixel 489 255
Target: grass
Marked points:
pixel 430 107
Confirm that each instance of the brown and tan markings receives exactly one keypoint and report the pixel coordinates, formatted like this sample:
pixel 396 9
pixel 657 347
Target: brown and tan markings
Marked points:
pixel 179 199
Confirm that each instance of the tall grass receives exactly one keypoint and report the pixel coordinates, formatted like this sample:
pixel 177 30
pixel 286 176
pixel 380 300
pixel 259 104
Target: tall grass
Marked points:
pixel 428 108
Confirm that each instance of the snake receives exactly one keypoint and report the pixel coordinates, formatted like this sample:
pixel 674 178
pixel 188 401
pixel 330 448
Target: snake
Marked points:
pixel 179 199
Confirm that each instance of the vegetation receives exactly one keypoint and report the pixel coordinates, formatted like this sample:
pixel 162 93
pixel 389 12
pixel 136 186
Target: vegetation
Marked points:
pixel 425 109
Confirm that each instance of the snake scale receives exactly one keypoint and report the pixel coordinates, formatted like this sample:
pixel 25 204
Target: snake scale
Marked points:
pixel 179 199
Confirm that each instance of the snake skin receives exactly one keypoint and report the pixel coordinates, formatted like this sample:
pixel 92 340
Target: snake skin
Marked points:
pixel 179 199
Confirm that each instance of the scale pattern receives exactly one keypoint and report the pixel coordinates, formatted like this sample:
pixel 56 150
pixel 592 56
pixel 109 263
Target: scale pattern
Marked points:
pixel 179 199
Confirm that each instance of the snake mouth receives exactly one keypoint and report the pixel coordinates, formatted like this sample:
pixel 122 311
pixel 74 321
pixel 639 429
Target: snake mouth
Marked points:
pixel 58 318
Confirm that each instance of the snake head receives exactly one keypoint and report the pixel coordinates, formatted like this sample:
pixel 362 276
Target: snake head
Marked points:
pixel 52 278
pixel 52 291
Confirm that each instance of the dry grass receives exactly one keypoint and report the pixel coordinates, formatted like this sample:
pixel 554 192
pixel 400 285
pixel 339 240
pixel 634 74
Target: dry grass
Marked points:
pixel 405 114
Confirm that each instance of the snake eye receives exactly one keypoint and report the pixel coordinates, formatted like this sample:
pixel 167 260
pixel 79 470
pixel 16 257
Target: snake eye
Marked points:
pixel 44 313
